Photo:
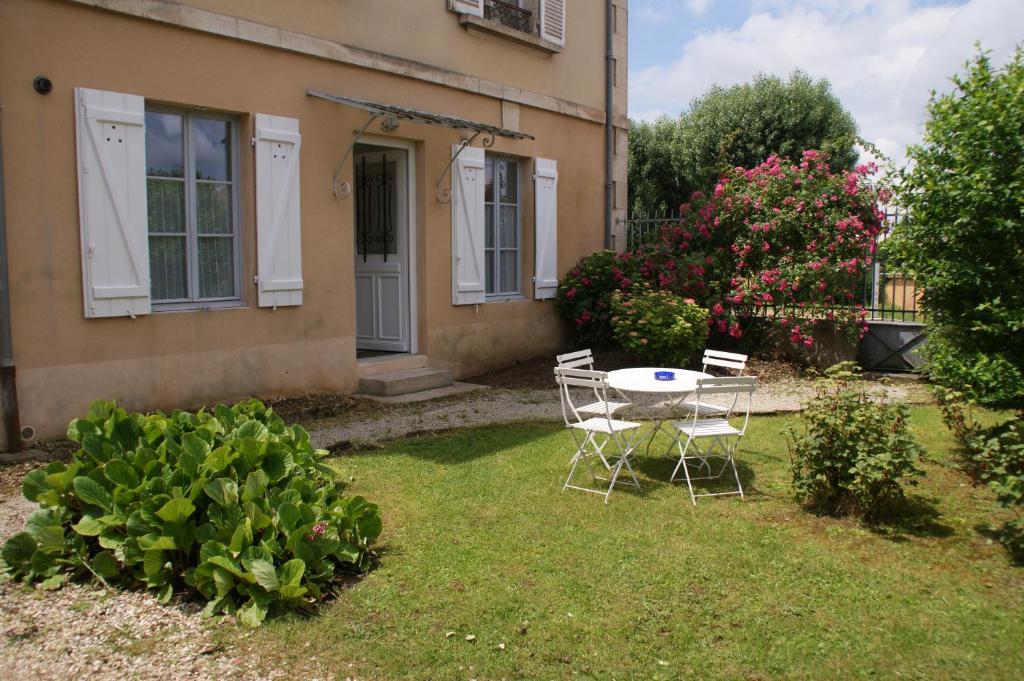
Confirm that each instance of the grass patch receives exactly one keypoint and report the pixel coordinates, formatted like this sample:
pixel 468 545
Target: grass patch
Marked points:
pixel 479 540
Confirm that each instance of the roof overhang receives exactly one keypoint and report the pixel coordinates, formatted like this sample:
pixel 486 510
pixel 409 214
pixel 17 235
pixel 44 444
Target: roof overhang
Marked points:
pixel 468 131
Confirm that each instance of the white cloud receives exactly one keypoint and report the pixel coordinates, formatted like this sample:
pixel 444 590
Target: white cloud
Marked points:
pixel 882 57
pixel 698 6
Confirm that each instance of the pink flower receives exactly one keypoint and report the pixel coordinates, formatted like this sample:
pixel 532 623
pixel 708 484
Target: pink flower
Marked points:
pixel 571 293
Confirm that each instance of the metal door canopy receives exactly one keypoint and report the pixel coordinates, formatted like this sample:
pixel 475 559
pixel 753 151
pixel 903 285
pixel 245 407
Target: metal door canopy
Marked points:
pixel 468 129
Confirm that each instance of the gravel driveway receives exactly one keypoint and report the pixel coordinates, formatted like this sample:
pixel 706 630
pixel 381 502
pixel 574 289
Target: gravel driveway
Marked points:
pixel 83 630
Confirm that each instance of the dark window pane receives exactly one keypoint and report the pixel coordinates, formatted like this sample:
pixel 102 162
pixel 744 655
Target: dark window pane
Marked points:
pixel 488 180
pixel 165 149
pixel 507 227
pixel 211 143
pixel 165 205
pixel 489 271
pixel 213 208
pixel 509 271
pixel 216 267
pixel 167 269
pixel 508 178
pixel 377 216
pixel 488 226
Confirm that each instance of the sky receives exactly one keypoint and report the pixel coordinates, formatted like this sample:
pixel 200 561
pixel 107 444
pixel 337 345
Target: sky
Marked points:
pixel 882 57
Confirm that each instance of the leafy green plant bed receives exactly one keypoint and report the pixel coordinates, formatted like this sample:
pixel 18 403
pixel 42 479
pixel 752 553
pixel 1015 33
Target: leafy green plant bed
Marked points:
pixel 233 504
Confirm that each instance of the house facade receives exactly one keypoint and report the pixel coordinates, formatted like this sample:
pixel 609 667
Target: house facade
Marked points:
pixel 209 199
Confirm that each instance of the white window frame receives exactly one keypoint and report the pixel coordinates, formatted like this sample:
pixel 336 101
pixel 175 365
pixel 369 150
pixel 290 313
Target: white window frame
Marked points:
pixel 194 302
pixel 491 296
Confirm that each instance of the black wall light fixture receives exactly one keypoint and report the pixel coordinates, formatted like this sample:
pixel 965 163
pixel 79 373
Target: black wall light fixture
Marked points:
pixel 42 85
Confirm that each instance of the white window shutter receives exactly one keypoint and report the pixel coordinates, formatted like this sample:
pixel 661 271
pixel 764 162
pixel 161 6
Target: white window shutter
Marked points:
pixel 468 286
pixel 111 140
pixel 545 201
pixel 552 21
pixel 474 7
pixel 278 215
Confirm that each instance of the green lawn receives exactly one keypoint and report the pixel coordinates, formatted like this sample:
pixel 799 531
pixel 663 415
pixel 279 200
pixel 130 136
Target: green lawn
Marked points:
pixel 479 540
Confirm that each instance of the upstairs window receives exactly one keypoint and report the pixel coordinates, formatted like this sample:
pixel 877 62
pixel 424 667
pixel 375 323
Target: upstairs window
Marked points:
pixel 192 201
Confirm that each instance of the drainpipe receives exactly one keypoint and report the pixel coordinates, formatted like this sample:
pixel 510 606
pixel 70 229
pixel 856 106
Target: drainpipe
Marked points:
pixel 609 95
pixel 8 385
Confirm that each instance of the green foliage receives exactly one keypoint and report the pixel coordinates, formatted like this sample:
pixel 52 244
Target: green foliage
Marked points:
pixel 655 185
pixel 964 240
pixel 234 504
pixel 738 126
pixel 855 452
pixel 584 295
pixel 659 326
pixel 991 455
pixel 987 378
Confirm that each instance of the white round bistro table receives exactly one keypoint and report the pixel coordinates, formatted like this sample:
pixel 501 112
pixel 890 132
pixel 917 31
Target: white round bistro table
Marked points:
pixel 642 380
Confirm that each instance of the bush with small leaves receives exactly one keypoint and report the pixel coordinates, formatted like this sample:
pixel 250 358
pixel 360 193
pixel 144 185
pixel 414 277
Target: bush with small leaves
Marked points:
pixel 854 453
pixel 659 326
pixel 233 504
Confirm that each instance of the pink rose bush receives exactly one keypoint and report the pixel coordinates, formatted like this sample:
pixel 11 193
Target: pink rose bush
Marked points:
pixel 790 241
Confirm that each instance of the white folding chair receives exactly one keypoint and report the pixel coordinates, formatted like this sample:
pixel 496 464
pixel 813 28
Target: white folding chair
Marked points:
pixel 731 362
pixel 592 434
pixel 724 438
pixel 584 359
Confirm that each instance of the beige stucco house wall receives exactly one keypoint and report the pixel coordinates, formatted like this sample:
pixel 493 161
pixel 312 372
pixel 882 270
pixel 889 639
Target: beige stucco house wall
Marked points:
pixel 248 58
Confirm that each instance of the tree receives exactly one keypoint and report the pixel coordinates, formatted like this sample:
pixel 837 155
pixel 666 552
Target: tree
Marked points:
pixel 740 126
pixel 964 240
pixel 654 185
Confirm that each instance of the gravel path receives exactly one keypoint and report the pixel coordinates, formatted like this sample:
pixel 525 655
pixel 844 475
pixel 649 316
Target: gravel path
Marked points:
pixel 83 630
pixel 376 422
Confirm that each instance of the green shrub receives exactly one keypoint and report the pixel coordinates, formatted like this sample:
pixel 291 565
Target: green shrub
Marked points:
pixel 584 295
pixel 964 198
pixel 855 452
pixel 659 326
pixel 986 378
pixel 993 456
pixel 233 504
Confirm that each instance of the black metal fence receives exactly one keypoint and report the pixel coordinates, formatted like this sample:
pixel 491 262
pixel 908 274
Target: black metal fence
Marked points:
pixel 886 293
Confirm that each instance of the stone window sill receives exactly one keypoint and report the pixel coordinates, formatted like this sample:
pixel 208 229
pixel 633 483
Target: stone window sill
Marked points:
pixel 475 24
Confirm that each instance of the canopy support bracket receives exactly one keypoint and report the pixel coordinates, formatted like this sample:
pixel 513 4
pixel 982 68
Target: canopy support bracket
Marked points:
pixel 343 189
pixel 444 194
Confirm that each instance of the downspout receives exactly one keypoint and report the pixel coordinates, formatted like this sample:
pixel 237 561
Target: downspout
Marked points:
pixel 8 384
pixel 609 95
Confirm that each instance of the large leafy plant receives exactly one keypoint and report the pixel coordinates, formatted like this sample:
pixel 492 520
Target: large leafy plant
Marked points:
pixel 234 504
pixel 855 452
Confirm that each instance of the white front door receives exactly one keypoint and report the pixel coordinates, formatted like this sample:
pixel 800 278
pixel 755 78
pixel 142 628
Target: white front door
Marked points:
pixel 381 191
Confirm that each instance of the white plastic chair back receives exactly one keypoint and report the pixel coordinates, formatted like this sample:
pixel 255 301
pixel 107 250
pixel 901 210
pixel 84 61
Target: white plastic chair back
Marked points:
pixel 581 359
pixel 584 380
pixel 725 360
pixel 741 388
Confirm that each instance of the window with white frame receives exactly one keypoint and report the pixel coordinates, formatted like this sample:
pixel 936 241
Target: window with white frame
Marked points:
pixel 502 233
pixel 191 160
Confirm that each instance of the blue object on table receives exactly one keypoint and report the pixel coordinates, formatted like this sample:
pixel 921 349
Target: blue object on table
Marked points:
pixel 664 375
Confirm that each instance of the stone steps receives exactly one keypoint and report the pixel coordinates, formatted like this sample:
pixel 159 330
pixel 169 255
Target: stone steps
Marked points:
pixel 405 381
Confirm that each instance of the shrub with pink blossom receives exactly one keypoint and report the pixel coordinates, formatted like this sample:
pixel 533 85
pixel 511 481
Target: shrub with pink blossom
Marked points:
pixel 788 240
pixel 584 295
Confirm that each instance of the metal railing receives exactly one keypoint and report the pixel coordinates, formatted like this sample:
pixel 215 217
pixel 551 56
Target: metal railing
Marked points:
pixel 507 14
pixel 644 227
pixel 890 295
